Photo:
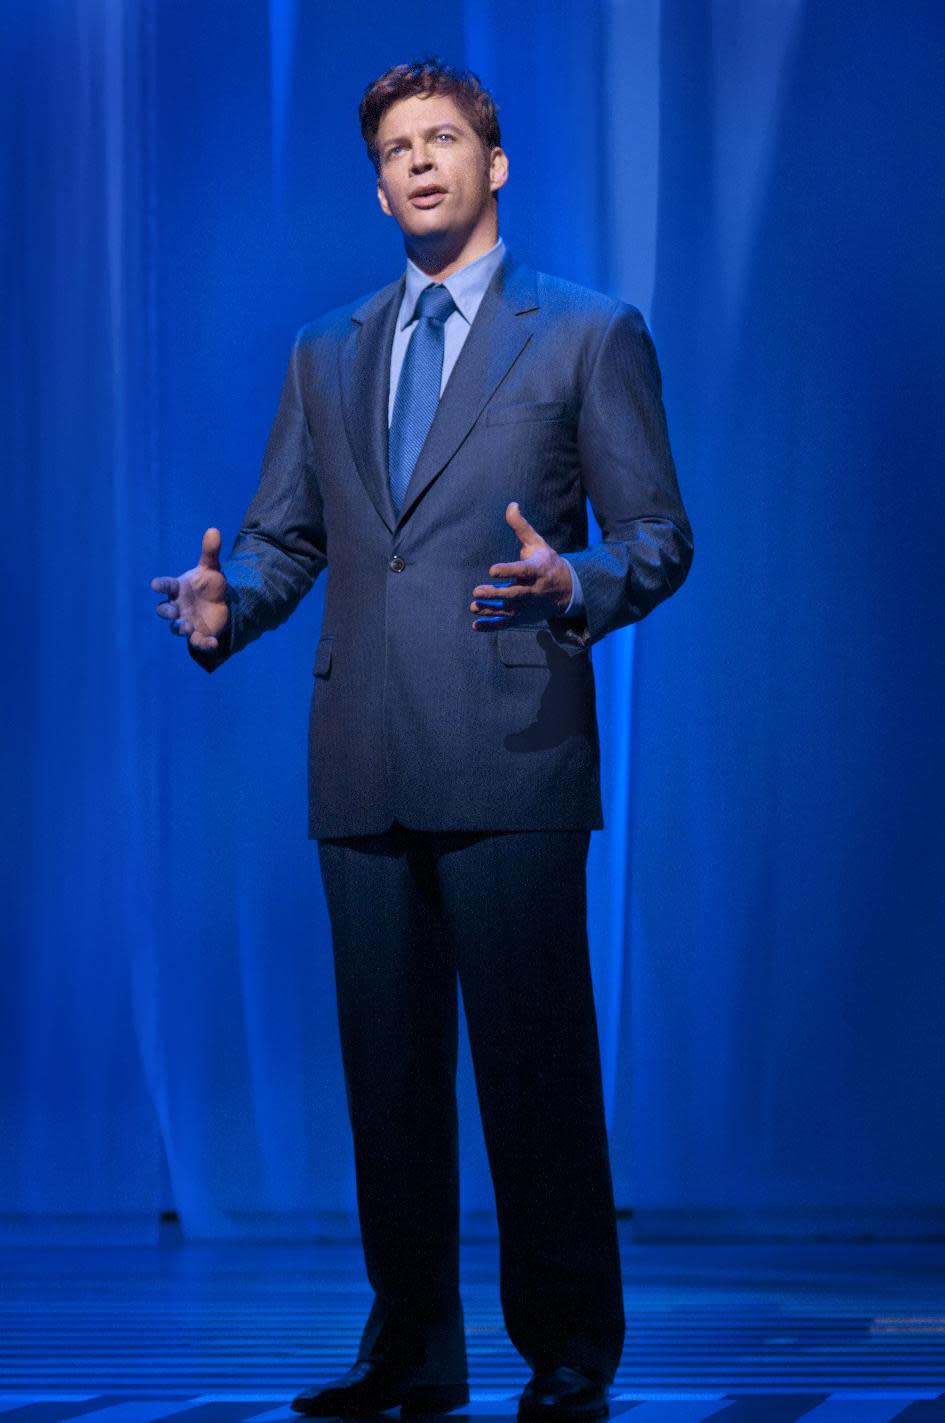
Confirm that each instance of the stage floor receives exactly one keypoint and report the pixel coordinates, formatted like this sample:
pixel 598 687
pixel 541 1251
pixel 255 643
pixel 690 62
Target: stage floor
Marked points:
pixel 754 1333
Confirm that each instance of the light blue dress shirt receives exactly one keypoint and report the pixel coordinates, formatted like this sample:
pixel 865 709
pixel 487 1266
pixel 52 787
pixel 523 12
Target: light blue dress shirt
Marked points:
pixel 467 287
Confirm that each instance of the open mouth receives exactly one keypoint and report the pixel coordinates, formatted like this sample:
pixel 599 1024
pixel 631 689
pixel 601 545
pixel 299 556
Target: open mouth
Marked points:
pixel 429 198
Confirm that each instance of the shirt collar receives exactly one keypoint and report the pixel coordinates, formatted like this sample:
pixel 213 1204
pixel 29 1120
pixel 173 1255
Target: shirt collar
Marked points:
pixel 467 286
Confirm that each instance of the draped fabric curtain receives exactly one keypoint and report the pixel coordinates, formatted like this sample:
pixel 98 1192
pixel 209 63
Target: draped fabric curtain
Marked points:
pixel 183 187
pixel 81 1054
pixel 787 899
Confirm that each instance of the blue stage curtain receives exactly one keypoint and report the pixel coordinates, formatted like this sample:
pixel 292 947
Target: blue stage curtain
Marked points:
pixel 185 185
pixel 782 1067
pixel 79 1022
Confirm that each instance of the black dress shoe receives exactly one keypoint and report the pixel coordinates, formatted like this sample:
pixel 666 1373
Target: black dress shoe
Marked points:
pixel 371 1387
pixel 562 1395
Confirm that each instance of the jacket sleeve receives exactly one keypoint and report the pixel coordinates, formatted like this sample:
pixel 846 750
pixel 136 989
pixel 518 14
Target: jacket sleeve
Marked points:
pixel 630 479
pixel 281 548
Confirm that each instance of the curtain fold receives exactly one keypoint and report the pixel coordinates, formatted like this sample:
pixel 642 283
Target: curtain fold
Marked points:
pixel 81 1050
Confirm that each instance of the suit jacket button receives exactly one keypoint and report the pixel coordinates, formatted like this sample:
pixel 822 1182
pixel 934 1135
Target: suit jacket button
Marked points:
pixel 397 563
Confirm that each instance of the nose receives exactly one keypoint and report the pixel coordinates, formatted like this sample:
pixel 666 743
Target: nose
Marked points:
pixel 420 160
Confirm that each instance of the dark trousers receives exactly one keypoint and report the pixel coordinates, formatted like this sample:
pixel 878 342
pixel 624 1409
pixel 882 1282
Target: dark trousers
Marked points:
pixel 505 912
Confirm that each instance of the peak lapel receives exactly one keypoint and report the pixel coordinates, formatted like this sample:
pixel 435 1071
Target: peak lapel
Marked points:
pixel 496 338
pixel 365 383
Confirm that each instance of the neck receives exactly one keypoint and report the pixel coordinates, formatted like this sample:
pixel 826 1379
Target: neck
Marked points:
pixel 442 254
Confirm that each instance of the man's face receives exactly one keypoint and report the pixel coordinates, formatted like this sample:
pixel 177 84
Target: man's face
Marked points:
pixel 435 178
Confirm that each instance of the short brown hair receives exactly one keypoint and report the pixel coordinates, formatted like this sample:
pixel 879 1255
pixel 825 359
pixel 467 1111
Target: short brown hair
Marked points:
pixel 428 76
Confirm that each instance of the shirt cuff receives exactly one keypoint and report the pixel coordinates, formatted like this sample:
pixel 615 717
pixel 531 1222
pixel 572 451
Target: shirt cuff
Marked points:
pixel 575 608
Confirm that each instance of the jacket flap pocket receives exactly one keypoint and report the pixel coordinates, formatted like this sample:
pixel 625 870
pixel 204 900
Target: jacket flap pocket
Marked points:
pixel 322 657
pixel 539 646
pixel 526 410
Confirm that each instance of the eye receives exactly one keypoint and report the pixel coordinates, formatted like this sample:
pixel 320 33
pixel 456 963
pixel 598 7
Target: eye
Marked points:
pixel 445 135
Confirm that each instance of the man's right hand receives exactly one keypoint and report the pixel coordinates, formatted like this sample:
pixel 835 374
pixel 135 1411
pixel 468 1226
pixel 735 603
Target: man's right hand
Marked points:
pixel 195 603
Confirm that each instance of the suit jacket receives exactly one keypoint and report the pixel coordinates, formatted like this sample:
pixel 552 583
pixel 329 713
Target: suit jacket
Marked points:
pixel 555 399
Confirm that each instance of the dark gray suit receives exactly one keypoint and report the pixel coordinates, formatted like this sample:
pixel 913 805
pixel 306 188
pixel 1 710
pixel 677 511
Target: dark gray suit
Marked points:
pixel 431 745
pixel 555 397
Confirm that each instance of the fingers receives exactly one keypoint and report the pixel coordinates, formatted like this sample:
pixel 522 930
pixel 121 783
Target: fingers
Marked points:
pixel 492 602
pixel 516 520
pixel 525 572
pixel 170 587
pixel 502 595
pixel 484 624
pixel 210 550
pixel 169 610
pixel 180 627
pixel 495 598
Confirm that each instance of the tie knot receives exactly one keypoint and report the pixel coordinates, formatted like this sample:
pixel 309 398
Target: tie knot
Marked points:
pixel 435 302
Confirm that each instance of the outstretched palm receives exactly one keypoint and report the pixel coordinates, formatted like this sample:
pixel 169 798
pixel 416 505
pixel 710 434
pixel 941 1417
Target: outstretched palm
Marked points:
pixel 195 603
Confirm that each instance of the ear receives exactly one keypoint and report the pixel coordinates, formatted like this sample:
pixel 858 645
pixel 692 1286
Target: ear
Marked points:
pixel 498 169
pixel 382 199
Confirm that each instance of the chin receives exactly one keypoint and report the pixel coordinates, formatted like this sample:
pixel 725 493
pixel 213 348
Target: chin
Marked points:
pixel 426 228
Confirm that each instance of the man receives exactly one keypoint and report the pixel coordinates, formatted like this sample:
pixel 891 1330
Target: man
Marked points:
pixel 433 449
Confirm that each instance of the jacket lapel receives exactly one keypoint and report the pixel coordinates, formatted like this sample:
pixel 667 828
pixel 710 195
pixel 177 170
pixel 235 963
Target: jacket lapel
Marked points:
pixel 365 387
pixel 496 339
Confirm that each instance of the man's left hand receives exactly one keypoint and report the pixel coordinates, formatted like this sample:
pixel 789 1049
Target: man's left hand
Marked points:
pixel 540 583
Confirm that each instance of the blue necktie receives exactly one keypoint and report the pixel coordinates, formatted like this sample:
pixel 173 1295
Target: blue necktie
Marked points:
pixel 418 390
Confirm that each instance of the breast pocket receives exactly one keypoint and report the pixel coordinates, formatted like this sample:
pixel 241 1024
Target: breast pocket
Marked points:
pixel 513 412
